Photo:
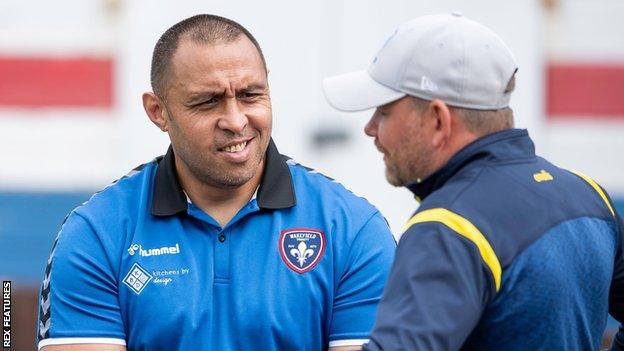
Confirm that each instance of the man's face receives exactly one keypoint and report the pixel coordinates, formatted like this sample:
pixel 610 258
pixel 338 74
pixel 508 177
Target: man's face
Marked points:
pixel 398 129
pixel 219 111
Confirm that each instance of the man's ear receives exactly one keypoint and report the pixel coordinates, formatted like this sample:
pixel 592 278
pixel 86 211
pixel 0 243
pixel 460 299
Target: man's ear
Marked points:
pixel 156 111
pixel 441 115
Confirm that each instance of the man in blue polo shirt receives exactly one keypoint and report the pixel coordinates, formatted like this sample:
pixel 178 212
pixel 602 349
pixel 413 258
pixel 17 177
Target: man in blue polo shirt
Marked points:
pixel 506 251
pixel 223 243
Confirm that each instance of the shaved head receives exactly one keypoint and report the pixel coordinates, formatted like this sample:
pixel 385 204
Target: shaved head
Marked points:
pixel 206 29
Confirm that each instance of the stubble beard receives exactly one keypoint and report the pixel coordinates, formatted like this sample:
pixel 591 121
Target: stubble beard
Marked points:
pixel 402 170
pixel 222 176
pixel 208 169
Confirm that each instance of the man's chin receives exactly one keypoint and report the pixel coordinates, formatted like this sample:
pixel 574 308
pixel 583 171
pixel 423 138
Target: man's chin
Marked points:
pixel 230 177
pixel 393 179
pixel 231 182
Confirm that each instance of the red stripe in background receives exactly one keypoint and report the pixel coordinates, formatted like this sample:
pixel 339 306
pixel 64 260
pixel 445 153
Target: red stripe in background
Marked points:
pixel 56 82
pixel 585 90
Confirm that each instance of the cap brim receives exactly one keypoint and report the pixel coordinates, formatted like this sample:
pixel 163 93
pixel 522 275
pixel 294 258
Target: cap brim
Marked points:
pixel 357 91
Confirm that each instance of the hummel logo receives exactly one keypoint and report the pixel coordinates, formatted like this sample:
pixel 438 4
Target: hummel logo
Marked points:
pixel 427 84
pixel 165 250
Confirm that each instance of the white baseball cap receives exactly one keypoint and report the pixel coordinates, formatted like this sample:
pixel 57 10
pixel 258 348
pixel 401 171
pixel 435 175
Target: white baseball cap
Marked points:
pixel 446 57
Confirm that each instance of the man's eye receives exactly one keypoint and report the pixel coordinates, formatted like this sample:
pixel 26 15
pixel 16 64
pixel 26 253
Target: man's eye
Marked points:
pixel 248 96
pixel 207 103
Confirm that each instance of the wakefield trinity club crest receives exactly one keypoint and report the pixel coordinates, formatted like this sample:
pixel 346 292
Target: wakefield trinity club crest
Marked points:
pixel 302 249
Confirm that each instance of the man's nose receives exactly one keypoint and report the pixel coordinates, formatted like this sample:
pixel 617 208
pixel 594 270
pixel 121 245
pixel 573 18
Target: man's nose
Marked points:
pixel 370 128
pixel 233 118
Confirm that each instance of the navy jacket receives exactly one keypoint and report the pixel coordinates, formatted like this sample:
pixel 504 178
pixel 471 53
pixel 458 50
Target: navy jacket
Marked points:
pixel 506 252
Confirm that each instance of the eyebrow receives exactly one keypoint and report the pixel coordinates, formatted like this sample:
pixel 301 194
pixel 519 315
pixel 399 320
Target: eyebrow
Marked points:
pixel 195 97
pixel 254 87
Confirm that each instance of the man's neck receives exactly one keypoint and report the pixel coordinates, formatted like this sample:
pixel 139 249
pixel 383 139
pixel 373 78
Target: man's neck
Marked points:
pixel 455 144
pixel 222 204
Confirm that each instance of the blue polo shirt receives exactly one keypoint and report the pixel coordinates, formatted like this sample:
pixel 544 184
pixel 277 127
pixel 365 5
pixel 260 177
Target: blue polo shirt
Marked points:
pixel 300 267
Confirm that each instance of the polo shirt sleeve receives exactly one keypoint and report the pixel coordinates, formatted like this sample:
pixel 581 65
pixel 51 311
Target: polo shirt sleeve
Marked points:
pixel 79 295
pixel 437 290
pixel 361 283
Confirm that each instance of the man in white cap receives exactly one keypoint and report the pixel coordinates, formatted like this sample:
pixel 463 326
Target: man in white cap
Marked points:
pixel 506 251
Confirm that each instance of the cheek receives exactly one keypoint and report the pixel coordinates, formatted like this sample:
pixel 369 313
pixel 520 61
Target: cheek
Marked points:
pixel 260 118
pixel 390 134
pixel 193 130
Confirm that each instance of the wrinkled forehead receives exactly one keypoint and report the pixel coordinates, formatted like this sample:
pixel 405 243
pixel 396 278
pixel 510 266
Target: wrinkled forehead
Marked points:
pixel 236 64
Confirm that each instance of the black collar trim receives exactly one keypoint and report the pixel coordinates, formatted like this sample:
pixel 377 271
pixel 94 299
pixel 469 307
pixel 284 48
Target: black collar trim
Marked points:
pixel 276 189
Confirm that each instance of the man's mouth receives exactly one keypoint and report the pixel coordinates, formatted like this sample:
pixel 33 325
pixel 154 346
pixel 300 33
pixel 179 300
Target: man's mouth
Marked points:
pixel 379 148
pixel 234 148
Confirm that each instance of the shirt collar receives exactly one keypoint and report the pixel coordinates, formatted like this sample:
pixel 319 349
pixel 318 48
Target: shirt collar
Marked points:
pixel 503 145
pixel 276 189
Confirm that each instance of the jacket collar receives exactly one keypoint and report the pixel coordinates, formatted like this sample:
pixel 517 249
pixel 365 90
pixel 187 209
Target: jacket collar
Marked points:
pixel 276 189
pixel 504 145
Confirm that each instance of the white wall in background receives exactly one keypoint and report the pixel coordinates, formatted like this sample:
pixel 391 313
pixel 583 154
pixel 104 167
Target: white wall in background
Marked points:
pixel 303 43
pixel 581 31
